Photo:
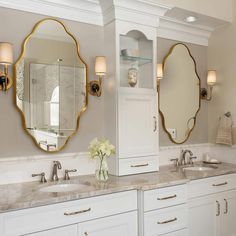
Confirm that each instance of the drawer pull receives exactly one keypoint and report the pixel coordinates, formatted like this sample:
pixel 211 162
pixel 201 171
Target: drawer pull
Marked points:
pixel 226 207
pixel 142 165
pixel 167 221
pixel 77 212
pixel 155 124
pixel 221 184
pixel 218 208
pixel 166 198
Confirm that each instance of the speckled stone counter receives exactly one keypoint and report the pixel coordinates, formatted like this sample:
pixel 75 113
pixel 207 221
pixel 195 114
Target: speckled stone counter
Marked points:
pixel 25 195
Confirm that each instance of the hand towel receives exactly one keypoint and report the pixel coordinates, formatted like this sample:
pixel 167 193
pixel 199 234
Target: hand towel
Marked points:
pixel 224 133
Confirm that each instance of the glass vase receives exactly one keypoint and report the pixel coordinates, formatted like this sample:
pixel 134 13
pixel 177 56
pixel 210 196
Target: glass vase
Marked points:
pixel 101 172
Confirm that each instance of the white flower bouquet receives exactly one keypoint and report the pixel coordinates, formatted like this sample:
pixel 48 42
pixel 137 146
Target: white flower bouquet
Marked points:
pixel 101 150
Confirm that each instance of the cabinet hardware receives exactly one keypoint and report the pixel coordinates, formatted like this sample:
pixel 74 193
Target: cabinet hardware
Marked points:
pixel 85 233
pixel 142 165
pixel 155 124
pixel 77 212
pixel 167 221
pixel 226 207
pixel 221 184
pixel 166 198
pixel 218 208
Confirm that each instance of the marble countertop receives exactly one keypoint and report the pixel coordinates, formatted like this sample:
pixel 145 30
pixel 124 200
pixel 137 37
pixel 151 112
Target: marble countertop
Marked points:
pixel 26 195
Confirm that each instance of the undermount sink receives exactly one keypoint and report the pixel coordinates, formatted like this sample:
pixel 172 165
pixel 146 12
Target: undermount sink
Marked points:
pixel 60 188
pixel 200 168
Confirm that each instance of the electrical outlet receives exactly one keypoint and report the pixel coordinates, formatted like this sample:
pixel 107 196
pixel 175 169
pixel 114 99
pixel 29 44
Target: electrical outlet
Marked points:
pixel 173 133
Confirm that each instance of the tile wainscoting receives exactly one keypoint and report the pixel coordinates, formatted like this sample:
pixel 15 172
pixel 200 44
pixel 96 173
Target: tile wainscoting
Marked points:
pixel 19 169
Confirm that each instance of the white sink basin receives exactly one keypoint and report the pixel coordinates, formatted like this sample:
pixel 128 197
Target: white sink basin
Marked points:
pixel 200 168
pixel 60 188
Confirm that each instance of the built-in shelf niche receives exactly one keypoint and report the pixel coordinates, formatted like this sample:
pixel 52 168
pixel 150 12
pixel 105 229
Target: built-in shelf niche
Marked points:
pixel 139 55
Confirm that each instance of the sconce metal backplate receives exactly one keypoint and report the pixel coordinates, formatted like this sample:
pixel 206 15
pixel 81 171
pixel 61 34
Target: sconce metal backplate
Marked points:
pixel 9 80
pixel 95 88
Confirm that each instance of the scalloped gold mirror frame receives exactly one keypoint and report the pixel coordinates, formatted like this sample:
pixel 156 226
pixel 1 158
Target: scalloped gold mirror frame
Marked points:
pixel 159 100
pixel 23 51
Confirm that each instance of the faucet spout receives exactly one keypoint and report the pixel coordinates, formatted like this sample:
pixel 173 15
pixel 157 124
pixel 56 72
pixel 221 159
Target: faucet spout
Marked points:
pixel 56 167
pixel 183 156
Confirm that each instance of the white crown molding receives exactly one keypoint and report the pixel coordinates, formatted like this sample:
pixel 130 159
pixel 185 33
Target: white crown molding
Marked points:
pixel 85 11
pixel 136 11
pixel 184 32
pixel 102 12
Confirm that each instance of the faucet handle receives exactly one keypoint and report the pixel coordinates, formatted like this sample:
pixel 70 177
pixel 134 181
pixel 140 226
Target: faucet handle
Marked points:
pixel 191 158
pixel 67 177
pixel 176 161
pixel 43 178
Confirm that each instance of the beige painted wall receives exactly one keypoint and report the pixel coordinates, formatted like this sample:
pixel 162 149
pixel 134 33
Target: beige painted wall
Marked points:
pixel 199 134
pixel 222 57
pixel 215 8
pixel 13 139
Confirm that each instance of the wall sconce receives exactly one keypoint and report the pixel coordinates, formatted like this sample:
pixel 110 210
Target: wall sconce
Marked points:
pixel 160 75
pixel 100 71
pixel 206 94
pixel 6 59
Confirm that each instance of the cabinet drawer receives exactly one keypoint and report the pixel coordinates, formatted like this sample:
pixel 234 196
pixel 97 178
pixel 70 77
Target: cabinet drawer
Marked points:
pixel 211 185
pixel 164 197
pixel 165 220
pixel 57 215
pixel 131 166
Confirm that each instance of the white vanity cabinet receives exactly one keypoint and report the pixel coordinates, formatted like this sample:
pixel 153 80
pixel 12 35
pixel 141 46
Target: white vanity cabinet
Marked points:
pixel 212 206
pixel 164 212
pixel 131 113
pixel 95 216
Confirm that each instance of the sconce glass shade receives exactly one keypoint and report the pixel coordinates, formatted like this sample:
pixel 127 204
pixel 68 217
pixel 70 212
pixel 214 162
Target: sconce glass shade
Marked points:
pixel 100 66
pixel 159 71
pixel 211 77
pixel 6 53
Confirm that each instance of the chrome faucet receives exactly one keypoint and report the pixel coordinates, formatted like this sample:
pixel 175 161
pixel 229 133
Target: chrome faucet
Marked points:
pixel 56 166
pixel 183 157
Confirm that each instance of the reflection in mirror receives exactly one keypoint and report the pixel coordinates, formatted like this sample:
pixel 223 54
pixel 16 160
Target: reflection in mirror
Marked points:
pixel 51 81
pixel 179 94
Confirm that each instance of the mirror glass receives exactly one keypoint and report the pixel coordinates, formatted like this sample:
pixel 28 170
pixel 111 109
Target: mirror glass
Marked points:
pixel 51 80
pixel 179 93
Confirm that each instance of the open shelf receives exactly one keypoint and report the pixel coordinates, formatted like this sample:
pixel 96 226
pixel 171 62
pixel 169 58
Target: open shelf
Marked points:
pixel 139 60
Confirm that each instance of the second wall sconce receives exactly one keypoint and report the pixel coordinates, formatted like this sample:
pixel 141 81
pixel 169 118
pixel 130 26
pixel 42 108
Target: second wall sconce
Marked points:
pixel 100 70
pixel 160 74
pixel 6 59
pixel 206 93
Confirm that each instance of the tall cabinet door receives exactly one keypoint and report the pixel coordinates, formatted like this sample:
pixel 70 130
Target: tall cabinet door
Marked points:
pixel 118 225
pixel 138 125
pixel 204 216
pixel 228 213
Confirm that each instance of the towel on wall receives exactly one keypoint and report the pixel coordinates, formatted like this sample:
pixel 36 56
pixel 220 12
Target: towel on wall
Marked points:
pixel 225 132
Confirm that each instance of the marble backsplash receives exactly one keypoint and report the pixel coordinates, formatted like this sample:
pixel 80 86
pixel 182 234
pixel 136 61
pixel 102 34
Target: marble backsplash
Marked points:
pixel 20 169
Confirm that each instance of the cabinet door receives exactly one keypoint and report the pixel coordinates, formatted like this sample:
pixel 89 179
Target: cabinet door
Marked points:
pixel 228 213
pixel 138 123
pixel 204 216
pixel 123 224
pixel 62 231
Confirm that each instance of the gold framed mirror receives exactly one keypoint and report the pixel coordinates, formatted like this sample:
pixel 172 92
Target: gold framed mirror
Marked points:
pixel 179 94
pixel 50 84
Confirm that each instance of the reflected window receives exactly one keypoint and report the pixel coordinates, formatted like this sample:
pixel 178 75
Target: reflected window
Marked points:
pixel 54 107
